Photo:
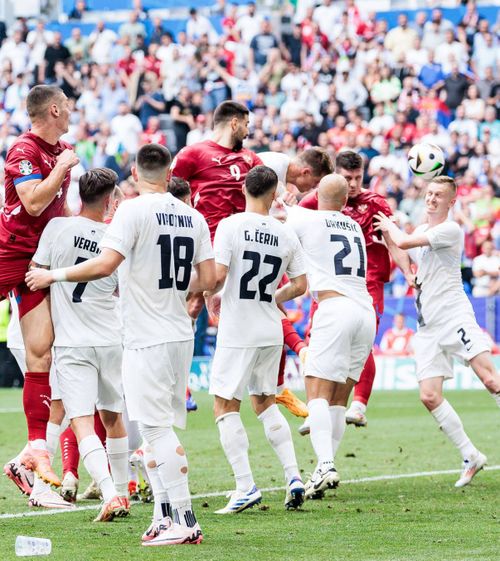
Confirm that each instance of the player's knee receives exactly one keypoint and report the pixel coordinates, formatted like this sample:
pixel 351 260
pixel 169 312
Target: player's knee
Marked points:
pixel 430 398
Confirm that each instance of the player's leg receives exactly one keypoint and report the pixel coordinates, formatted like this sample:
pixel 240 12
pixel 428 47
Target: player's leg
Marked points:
pixel 36 327
pixel 431 395
pixel 338 403
pixel 231 371
pixel 485 370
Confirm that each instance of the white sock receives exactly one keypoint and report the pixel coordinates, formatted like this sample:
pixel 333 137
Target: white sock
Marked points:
pixel 280 438
pixel 38 444
pixel 172 467
pixel 449 422
pixel 53 432
pixel 280 388
pixel 337 415
pixel 162 505
pixel 496 397
pixel 321 429
pixel 95 461
pixel 117 449
pixel 234 440
pixel 358 405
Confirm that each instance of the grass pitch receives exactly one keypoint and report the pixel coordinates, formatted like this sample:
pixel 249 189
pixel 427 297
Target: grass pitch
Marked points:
pixel 412 519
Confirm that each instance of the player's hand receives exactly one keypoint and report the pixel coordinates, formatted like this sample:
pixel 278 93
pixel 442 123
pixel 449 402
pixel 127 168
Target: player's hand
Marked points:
pixel 411 279
pixel 289 198
pixel 278 210
pixel 67 158
pixel 381 222
pixel 36 279
pixel 303 355
pixel 213 306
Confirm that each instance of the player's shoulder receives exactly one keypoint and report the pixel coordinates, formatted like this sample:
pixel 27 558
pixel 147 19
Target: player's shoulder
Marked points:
pixel 449 226
pixel 24 145
pixel 369 197
pixel 197 148
pixel 65 145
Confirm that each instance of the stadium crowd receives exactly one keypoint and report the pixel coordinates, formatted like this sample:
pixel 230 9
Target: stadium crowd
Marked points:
pixel 329 75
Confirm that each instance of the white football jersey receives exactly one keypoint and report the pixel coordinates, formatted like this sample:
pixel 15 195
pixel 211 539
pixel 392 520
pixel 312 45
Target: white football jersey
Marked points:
pixel 161 239
pixel 258 250
pixel 441 293
pixel 335 251
pixel 279 164
pixel 84 314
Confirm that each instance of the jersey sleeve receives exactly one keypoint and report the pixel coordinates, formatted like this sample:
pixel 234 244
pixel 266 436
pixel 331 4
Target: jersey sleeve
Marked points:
pixel 382 206
pixel 223 243
pixel 204 250
pixel 310 201
pixel 184 164
pixel 256 160
pixel 23 164
pixel 443 235
pixel 122 231
pixel 296 266
pixel 43 253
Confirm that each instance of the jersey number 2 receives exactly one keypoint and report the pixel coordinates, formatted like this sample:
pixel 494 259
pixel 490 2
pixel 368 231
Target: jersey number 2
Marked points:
pixel 255 258
pixel 182 249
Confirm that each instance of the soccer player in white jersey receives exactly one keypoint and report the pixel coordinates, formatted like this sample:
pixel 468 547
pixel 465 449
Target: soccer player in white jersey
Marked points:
pixel 87 344
pixel 343 328
pixel 252 251
pixel 160 241
pixel 447 326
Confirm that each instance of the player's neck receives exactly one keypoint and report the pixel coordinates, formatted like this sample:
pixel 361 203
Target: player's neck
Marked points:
pixel 95 214
pixel 146 187
pixel 49 134
pixel 436 219
pixel 257 206
pixel 223 138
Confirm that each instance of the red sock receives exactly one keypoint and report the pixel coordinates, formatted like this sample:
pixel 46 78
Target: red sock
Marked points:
pixel 36 404
pixel 99 429
pixel 363 389
pixel 281 371
pixel 69 452
pixel 291 337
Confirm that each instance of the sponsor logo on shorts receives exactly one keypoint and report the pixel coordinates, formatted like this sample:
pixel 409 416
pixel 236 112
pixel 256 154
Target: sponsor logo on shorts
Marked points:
pixel 25 167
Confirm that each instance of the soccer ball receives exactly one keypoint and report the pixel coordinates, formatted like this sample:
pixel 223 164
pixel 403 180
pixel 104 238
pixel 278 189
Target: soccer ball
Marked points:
pixel 426 160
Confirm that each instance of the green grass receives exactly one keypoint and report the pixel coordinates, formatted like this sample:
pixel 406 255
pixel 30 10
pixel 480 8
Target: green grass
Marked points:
pixel 422 518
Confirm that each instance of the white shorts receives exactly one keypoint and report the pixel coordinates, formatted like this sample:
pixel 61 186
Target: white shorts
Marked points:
pixel 20 356
pixel 89 378
pixel 342 336
pixel 234 369
pixel 155 381
pixel 435 346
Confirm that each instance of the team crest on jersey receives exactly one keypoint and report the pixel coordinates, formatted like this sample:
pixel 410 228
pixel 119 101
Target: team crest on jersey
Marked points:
pixel 25 167
pixel 362 208
pixel 248 159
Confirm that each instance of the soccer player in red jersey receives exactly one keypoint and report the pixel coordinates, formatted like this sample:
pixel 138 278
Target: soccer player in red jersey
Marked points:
pixel 363 206
pixel 37 176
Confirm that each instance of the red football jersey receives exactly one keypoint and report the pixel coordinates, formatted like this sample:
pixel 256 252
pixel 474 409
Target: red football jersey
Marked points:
pixel 216 175
pixel 362 209
pixel 29 158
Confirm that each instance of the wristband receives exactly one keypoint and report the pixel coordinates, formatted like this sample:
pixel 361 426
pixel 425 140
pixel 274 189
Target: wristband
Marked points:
pixel 59 275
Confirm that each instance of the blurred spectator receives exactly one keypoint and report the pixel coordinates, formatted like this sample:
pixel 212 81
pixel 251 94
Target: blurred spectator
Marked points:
pixel 132 29
pixel 15 52
pixel 55 52
pixel 455 86
pixel 400 39
pixel 486 271
pixel 396 341
pixel 100 43
pixel 198 25
pixel 79 10
pixel 261 45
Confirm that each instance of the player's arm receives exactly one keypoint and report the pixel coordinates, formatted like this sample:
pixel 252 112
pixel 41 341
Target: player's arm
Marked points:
pixel 400 239
pixel 101 266
pixel 204 277
pixel 297 284
pixel 37 195
pixel 402 260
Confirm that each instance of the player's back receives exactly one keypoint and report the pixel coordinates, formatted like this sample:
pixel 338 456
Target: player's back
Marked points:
pixel 258 250
pixel 84 314
pixel 216 175
pixel 161 239
pixel 335 252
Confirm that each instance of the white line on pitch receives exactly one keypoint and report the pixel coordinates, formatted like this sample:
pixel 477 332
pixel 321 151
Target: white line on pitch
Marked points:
pixel 266 490
pixel 11 410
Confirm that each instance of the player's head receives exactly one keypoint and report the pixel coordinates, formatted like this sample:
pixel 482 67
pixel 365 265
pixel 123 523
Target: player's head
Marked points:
pixel 349 164
pixel 117 198
pixel 48 106
pixel 180 189
pixel 261 183
pixel 152 165
pixel 314 164
pixel 440 195
pixel 332 192
pixel 97 187
pixel 232 117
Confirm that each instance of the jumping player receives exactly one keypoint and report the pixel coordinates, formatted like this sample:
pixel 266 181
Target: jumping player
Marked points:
pixel 343 329
pixel 37 176
pixel 362 206
pixel 252 251
pixel 447 326
pixel 160 242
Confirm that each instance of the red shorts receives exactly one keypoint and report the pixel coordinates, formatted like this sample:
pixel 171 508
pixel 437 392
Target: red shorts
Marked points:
pixel 12 272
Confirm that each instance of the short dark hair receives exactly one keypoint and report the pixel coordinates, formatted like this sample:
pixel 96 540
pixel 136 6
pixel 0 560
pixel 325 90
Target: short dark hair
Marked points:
pixel 348 160
pixel 179 187
pixel 227 110
pixel 260 180
pixel 152 159
pixel 39 98
pixel 318 160
pixel 445 180
pixel 96 184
